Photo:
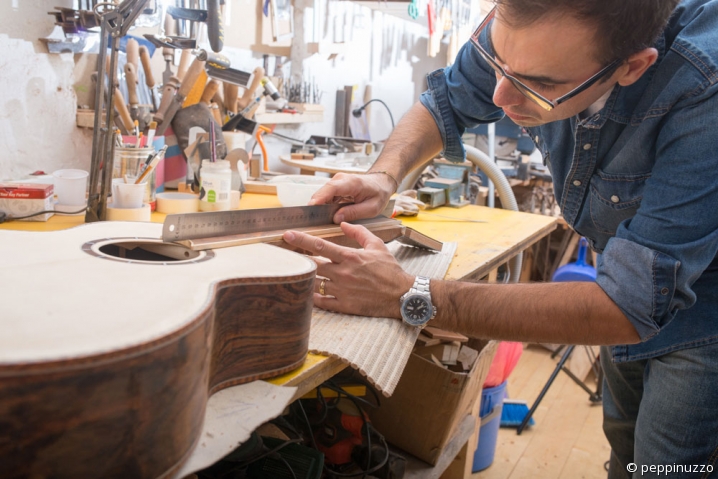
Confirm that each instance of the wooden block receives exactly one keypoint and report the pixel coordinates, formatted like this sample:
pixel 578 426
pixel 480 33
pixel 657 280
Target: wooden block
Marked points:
pixel 255 168
pixel 437 362
pixel 270 430
pixel 467 356
pixel 442 334
pixel 456 368
pixel 447 353
pixel 424 340
pixel 260 187
pixel 307 156
pixel 297 156
pixel 183 187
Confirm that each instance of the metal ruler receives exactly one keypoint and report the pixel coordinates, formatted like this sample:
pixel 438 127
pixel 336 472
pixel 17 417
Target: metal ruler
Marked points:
pixel 225 223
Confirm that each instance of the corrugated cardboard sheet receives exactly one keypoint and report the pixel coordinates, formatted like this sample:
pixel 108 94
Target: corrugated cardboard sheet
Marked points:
pixel 378 347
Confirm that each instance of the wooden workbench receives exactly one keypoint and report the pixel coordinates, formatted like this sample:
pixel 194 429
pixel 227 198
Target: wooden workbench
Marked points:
pixel 486 239
pixel 328 164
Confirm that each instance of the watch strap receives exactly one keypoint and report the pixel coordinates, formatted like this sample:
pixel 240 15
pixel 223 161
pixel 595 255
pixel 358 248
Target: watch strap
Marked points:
pixel 420 286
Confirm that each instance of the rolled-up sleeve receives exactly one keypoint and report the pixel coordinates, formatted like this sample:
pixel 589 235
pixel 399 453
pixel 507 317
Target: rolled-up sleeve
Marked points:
pixel 460 97
pixel 649 267
pixel 641 281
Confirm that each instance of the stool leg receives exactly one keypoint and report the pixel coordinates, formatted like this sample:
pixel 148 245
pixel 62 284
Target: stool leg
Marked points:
pixel 559 366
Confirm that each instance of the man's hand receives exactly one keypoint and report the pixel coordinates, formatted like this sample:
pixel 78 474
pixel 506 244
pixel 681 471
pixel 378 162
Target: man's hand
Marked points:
pixel 370 194
pixel 366 282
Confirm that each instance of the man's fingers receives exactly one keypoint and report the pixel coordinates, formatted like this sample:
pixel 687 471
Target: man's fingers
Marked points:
pixel 325 195
pixel 366 209
pixel 336 187
pixel 326 302
pixel 316 246
pixel 363 236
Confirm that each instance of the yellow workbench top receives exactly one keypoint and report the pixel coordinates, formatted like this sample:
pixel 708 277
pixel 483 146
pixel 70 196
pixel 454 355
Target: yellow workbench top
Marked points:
pixel 486 238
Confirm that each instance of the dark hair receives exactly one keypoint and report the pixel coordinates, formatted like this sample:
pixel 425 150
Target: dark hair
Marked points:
pixel 623 27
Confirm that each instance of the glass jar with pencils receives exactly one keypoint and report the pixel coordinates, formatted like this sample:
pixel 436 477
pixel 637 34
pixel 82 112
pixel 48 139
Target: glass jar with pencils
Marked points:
pixel 129 163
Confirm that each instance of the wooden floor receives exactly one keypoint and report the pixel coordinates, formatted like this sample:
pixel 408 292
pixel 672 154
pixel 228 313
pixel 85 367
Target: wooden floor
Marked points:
pixel 567 441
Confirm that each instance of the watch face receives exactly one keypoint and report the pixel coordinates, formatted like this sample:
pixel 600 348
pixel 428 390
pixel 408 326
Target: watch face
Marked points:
pixel 416 310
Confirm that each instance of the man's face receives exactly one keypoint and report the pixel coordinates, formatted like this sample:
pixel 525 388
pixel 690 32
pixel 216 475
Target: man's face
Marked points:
pixel 552 56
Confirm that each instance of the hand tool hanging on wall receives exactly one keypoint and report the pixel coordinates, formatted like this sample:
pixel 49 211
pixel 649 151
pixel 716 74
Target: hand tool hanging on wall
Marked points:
pixel 231 94
pixel 166 37
pixel 216 61
pixel 250 92
pixel 169 89
pixel 219 62
pixel 185 60
pixel 210 89
pixel 215 29
pixel 131 78
pixel 132 49
pixel 149 77
pixel 178 99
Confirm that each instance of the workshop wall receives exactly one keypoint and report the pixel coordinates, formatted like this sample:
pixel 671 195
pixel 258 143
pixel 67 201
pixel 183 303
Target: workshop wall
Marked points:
pixel 39 92
pixel 37 101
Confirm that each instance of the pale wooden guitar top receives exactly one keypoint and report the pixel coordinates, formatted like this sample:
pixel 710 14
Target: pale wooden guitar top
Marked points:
pixel 60 301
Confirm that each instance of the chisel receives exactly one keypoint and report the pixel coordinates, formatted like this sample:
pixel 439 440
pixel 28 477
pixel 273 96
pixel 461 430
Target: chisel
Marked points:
pixel 149 77
pixel 188 81
pixel 131 78
pixel 121 108
pixel 209 91
pixel 249 93
pixel 133 52
pixel 215 30
pixel 169 55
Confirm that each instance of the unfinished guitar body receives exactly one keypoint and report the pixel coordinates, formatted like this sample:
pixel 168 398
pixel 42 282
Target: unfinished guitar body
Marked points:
pixel 111 342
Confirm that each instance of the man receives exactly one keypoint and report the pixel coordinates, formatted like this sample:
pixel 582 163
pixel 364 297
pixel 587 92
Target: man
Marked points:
pixel 621 99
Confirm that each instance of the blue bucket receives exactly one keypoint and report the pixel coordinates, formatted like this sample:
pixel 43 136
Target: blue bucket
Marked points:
pixel 492 401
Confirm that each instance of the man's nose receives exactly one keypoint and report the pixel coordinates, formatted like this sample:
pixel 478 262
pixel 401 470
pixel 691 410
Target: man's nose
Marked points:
pixel 506 94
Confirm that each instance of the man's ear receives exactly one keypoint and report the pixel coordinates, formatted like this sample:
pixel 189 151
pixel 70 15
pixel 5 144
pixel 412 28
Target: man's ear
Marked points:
pixel 636 66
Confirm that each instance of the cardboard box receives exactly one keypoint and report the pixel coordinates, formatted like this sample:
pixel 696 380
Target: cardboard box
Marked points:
pixel 429 403
pixel 22 199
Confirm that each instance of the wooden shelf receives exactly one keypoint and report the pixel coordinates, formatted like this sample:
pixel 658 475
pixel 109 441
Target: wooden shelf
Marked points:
pixel 395 8
pixel 86 118
pixel 306 113
pixel 418 469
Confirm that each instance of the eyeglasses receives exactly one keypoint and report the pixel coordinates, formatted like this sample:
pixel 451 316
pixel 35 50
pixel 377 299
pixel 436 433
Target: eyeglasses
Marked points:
pixel 532 95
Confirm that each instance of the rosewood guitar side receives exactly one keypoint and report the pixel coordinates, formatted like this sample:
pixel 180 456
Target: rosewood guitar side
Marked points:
pixel 135 410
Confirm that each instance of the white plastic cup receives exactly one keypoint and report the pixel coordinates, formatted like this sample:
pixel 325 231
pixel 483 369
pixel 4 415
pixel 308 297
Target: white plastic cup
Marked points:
pixel 70 187
pixel 127 195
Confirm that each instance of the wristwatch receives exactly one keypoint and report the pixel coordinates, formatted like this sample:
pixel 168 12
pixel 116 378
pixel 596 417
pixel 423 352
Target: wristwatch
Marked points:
pixel 416 306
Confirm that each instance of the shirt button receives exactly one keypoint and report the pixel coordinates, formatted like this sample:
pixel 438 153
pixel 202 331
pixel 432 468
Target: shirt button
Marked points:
pixel 577 183
pixel 536 139
pixel 664 291
pixel 615 199
pixel 587 146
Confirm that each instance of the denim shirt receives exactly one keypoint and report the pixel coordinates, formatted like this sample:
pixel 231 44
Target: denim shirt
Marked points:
pixel 638 179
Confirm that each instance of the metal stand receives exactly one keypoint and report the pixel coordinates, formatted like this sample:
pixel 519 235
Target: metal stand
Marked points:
pixel 593 396
pixel 115 22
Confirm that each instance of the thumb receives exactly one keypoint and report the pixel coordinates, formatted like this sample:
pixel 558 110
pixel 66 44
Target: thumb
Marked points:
pixel 361 235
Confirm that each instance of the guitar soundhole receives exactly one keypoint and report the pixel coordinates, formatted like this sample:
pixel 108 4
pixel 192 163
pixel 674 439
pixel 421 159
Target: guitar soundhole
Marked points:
pixel 146 251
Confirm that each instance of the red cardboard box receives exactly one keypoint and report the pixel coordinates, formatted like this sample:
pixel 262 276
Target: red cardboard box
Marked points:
pixel 22 199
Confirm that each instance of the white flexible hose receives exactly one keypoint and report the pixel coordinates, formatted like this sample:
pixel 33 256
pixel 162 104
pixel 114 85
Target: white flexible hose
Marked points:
pixel 506 194
pixel 494 173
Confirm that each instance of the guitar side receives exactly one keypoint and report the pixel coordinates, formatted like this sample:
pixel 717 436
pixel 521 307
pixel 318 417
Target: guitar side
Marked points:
pixel 136 411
